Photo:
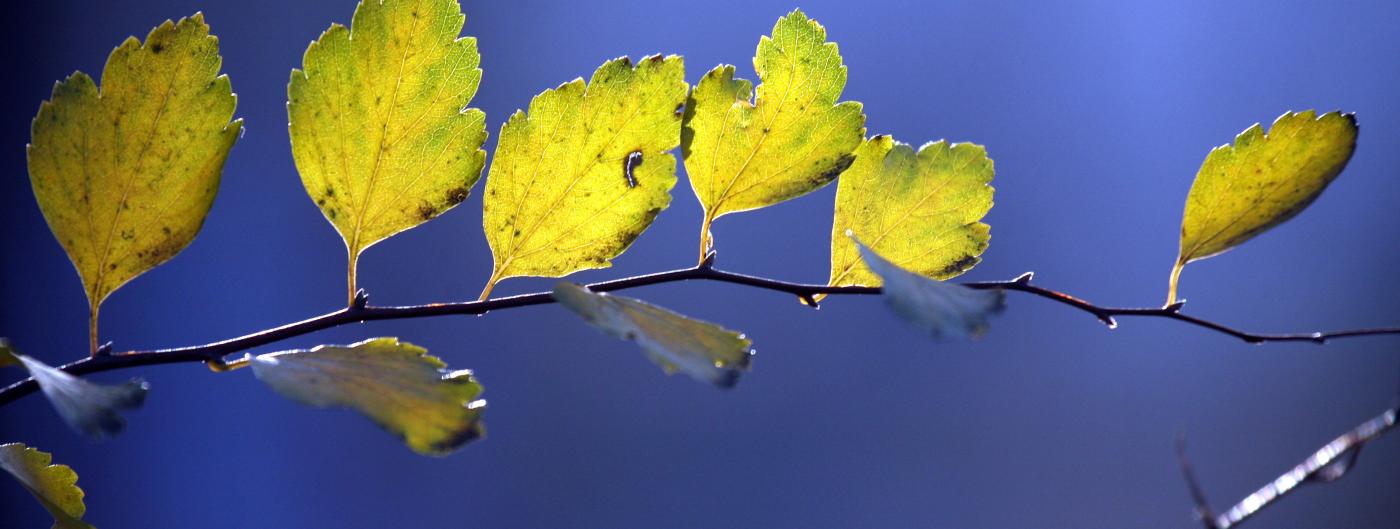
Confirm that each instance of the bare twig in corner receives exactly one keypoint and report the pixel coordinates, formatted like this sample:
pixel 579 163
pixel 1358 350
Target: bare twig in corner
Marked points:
pixel 1327 464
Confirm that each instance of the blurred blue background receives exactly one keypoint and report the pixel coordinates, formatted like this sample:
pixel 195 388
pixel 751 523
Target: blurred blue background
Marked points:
pixel 1097 114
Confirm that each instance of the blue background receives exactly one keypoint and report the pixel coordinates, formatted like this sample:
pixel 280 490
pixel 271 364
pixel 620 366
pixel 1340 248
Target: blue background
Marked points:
pixel 1097 114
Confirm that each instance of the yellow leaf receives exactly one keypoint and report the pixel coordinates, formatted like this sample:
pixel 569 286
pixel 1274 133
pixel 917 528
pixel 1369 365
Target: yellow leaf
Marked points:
pixel 126 174
pixel 922 211
pixel 702 350
pixel 791 140
pixel 580 176
pixel 55 486
pixel 398 385
pixel 1245 189
pixel 380 130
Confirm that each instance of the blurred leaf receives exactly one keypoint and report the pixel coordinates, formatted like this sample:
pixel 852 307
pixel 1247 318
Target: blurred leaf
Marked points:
pixel 789 141
pixel 55 486
pixel 406 391
pixel 945 310
pixel 7 354
pixel 1245 189
pixel 93 409
pixel 576 180
pixel 380 130
pixel 921 210
pixel 702 350
pixel 126 175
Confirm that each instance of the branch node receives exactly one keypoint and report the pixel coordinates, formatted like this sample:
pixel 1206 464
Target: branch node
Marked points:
pixel 1175 307
pixel 1024 279
pixel 709 261
pixel 361 300
pixel 809 300
pixel 1108 320
pixel 103 350
pixel 218 365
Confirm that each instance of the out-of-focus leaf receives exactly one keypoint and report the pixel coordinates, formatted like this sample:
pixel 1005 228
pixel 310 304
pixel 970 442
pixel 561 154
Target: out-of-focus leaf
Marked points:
pixel 7 354
pixel 126 174
pixel 55 486
pixel 400 386
pixel 922 211
pixel 579 178
pixel 380 130
pixel 702 350
pixel 945 310
pixel 90 408
pixel 745 153
pixel 1261 180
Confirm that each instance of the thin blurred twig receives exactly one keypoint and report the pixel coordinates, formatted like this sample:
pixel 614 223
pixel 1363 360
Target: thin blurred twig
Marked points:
pixel 1327 464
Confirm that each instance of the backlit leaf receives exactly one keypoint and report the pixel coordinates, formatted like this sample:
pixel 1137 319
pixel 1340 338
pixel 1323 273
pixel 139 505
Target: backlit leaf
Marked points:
pixel 702 350
pixel 125 174
pixel 91 408
pixel 745 153
pixel 1261 180
pixel 945 310
pixel 380 130
pixel 580 176
pixel 921 210
pixel 400 386
pixel 55 486
pixel 7 357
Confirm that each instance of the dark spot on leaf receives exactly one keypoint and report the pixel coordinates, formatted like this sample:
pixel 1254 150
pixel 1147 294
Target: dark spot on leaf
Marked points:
pixel 962 264
pixel 841 164
pixel 456 195
pixel 633 160
pixel 426 212
pixel 157 48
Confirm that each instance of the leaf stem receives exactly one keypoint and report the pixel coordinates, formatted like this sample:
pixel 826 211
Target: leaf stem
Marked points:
pixel 214 352
pixel 92 327
pixel 706 239
pixel 1172 283
pixel 350 274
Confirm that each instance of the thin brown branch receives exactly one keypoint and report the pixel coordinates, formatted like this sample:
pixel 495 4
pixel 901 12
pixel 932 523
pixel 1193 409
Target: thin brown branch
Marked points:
pixel 1327 464
pixel 361 311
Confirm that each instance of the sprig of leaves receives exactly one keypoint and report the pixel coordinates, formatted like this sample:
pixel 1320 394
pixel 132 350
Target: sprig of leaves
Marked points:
pixel 383 141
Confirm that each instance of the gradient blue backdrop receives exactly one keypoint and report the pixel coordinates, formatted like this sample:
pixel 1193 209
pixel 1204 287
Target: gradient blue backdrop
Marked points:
pixel 1097 114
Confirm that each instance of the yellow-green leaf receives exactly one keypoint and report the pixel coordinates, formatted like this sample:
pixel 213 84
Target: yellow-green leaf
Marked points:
pixel 399 386
pixel 579 177
pixel 88 407
pixel 920 210
pixel 55 486
pixel 380 130
pixel 794 138
pixel 125 174
pixel 1262 180
pixel 944 310
pixel 702 350
pixel 7 354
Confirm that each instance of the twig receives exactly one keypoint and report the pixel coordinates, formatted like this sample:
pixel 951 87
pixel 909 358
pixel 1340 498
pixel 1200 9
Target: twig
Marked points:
pixel 1328 464
pixel 360 311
